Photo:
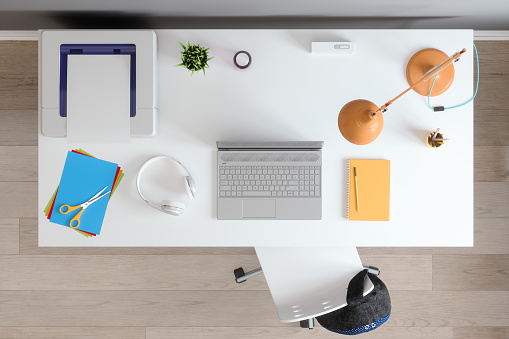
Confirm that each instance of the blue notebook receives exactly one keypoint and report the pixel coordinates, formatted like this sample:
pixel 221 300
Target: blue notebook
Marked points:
pixel 82 178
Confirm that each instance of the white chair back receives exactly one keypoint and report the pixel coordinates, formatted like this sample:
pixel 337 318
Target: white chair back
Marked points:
pixel 306 282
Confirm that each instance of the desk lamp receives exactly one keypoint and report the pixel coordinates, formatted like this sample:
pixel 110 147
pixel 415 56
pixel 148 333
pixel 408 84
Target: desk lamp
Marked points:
pixel 361 121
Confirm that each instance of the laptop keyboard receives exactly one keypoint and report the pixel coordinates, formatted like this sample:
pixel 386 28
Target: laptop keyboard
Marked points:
pixel 269 181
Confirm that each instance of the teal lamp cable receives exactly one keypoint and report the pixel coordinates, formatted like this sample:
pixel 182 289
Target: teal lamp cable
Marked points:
pixel 442 108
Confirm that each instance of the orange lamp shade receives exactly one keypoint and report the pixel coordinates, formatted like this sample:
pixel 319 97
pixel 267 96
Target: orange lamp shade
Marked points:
pixel 357 124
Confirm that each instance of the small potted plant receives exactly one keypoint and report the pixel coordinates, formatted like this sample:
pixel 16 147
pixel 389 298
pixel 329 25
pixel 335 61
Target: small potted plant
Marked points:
pixel 194 57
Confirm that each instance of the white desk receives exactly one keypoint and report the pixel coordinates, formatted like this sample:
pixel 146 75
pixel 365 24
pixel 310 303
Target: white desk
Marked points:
pixel 290 94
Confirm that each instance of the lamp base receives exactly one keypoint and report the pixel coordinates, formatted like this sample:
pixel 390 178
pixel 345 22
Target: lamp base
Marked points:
pixel 423 61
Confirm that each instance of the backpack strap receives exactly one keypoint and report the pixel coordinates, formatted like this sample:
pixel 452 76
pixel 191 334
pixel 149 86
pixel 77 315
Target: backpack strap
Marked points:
pixel 355 290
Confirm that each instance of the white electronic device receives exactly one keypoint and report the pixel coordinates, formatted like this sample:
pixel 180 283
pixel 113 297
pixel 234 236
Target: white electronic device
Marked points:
pixel 171 207
pixel 332 47
pixel 56 46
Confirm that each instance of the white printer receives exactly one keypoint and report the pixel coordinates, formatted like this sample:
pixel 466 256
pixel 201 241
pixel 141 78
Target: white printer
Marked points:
pixel 139 101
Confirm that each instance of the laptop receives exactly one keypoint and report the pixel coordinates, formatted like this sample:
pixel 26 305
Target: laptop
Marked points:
pixel 269 180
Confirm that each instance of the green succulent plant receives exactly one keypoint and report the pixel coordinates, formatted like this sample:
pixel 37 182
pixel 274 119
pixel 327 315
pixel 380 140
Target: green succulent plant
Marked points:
pixel 194 57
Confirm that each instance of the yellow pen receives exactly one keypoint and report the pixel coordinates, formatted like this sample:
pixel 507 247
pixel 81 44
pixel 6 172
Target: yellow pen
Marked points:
pixel 356 188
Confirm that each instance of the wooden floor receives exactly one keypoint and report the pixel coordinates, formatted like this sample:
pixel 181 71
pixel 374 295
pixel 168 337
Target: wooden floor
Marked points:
pixel 190 293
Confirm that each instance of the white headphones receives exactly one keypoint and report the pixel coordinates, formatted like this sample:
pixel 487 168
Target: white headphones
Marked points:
pixel 168 206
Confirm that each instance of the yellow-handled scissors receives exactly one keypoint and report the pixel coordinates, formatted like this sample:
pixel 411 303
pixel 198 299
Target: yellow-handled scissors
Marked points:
pixel 84 206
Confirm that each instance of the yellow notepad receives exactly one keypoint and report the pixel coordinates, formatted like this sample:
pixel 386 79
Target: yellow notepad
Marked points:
pixel 369 195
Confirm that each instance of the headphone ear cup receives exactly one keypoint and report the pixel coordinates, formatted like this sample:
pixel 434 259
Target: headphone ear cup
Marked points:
pixel 172 207
pixel 190 187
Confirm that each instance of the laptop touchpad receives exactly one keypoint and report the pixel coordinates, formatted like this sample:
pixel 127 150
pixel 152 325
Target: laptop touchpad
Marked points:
pixel 259 208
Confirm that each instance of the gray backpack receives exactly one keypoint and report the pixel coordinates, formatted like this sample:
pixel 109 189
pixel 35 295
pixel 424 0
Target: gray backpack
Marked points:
pixel 363 313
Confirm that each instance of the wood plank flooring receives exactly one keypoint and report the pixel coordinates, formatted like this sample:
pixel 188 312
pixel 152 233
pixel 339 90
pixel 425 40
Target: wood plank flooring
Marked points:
pixel 155 293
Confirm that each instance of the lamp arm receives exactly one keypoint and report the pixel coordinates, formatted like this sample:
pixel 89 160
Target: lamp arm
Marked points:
pixel 425 77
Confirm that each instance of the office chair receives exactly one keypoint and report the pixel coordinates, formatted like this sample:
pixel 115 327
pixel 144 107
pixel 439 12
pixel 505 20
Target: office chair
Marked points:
pixel 307 282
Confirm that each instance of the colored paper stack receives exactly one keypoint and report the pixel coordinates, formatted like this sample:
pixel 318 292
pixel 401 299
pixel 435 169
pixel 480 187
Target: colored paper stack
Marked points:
pixel 83 177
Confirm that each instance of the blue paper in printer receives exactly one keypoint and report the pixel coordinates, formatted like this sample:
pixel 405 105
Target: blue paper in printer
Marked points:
pixel 82 178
